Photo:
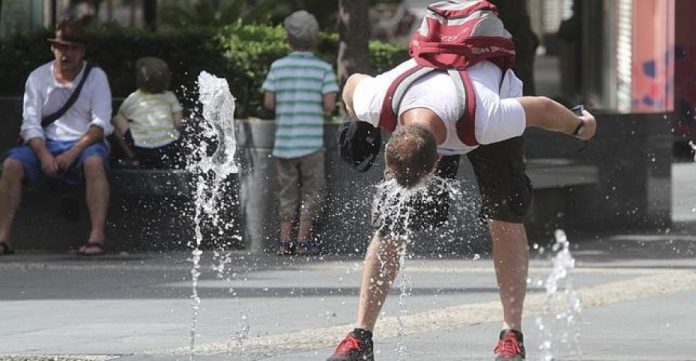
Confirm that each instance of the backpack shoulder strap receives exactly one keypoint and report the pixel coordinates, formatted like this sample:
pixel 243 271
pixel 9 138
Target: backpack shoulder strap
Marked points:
pixel 392 99
pixel 466 125
pixel 49 119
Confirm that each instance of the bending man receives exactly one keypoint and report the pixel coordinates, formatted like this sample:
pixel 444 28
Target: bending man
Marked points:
pixel 426 142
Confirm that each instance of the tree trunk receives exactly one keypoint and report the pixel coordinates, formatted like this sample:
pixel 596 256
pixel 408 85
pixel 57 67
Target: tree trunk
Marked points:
pixel 515 17
pixel 353 35
pixel 150 14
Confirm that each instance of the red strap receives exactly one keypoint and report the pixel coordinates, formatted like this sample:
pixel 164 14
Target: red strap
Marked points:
pixel 466 126
pixel 387 117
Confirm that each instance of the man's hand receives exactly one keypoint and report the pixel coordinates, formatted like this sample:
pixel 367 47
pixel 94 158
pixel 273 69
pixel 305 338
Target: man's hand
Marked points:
pixel 48 161
pixel 589 127
pixel 49 165
pixel 65 160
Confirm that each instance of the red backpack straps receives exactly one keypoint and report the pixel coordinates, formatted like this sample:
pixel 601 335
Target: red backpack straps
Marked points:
pixel 466 126
pixel 390 105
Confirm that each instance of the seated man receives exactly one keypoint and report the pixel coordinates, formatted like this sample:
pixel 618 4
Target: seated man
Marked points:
pixel 62 139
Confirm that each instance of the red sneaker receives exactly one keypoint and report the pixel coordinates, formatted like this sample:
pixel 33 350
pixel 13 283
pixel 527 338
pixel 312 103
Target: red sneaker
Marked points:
pixel 510 346
pixel 353 348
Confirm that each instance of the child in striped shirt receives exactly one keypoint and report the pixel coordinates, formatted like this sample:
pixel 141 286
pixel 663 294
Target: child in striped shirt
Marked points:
pixel 148 121
pixel 301 88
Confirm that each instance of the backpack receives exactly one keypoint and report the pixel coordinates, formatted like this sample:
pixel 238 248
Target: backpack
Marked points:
pixel 453 36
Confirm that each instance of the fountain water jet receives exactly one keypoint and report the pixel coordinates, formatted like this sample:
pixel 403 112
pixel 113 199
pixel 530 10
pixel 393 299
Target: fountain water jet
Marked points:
pixel 211 172
pixel 561 309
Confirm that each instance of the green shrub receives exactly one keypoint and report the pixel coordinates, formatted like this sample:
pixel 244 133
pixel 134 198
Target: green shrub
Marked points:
pixel 240 53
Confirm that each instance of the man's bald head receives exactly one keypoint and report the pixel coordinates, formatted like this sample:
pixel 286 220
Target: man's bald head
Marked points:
pixel 411 154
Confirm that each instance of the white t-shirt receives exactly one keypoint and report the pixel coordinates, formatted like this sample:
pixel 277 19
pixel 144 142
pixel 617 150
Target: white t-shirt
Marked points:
pixel 43 95
pixel 498 115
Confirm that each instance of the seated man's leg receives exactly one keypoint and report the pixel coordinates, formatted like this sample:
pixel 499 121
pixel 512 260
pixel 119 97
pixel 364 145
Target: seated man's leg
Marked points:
pixel 21 162
pixel 93 162
pixel 506 191
pixel 10 197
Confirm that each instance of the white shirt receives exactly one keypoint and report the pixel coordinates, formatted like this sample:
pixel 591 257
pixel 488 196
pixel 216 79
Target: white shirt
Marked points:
pixel 44 95
pixel 498 115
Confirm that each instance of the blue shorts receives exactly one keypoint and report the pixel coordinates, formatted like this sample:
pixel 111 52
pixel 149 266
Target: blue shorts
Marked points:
pixel 32 165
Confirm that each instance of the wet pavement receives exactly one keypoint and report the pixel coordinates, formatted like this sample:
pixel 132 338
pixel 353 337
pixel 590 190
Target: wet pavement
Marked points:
pixel 637 292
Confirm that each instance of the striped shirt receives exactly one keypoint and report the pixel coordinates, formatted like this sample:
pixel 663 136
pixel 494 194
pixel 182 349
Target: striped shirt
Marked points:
pixel 299 82
pixel 152 117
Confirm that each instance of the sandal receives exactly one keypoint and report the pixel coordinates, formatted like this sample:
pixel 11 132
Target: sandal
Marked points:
pixel 307 248
pixel 83 250
pixel 5 249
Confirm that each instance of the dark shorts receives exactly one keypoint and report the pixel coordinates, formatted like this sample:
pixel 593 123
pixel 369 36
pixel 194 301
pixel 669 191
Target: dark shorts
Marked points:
pixel 502 179
pixel 505 189
pixel 32 165
pixel 169 156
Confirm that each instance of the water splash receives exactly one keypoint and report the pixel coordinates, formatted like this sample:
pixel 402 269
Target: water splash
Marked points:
pixel 396 209
pixel 211 170
pixel 693 147
pixel 405 287
pixel 558 322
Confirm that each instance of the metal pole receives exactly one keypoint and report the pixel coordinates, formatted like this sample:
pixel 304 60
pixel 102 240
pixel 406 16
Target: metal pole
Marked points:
pixel 52 13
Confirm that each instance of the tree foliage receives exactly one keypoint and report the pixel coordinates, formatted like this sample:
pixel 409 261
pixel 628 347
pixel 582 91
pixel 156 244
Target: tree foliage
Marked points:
pixel 239 52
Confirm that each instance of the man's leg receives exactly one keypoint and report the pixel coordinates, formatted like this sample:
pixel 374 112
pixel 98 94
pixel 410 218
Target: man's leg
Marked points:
pixel 379 271
pixel 10 196
pixel 97 196
pixel 510 257
pixel 507 194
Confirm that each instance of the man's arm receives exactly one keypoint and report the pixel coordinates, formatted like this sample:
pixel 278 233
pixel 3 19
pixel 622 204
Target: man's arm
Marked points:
pixel 32 110
pixel 347 94
pixel 548 114
pixel 32 131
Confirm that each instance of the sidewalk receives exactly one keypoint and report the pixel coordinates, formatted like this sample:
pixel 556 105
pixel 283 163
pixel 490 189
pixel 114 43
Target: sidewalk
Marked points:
pixel 637 293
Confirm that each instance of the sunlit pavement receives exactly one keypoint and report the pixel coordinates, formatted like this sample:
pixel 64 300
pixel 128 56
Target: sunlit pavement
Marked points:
pixel 637 293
